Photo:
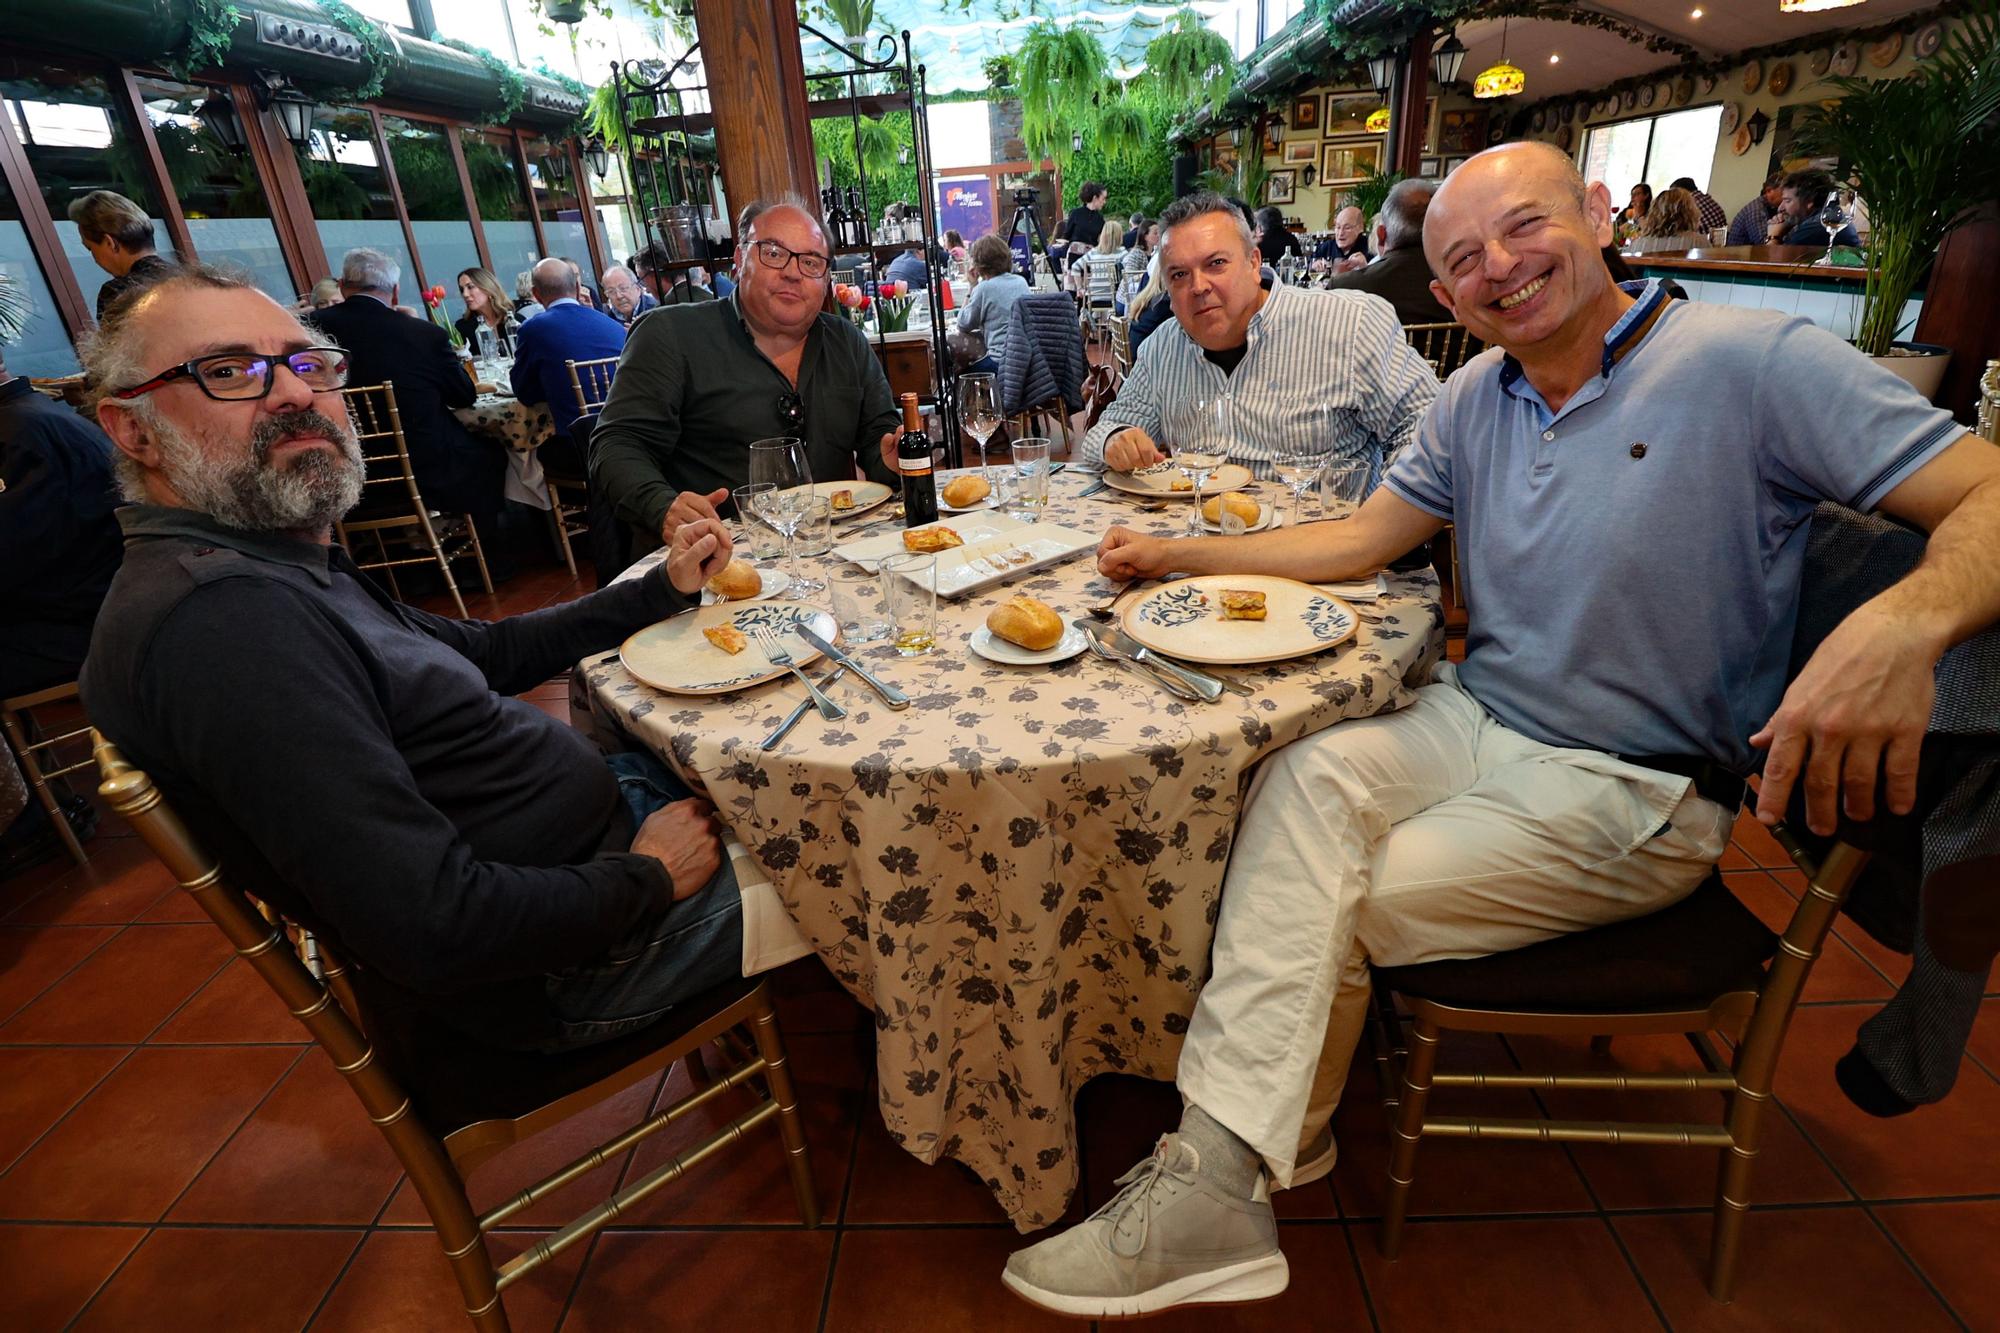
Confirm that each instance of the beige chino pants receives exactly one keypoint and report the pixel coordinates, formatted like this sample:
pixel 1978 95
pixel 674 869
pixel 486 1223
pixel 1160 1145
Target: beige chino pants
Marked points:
pixel 1432 832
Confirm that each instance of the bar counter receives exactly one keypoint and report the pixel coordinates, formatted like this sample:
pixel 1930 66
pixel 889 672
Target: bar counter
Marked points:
pixel 1770 277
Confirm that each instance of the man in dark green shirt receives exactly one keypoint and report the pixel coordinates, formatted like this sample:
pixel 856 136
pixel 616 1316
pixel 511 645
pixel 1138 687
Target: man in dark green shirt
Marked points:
pixel 698 383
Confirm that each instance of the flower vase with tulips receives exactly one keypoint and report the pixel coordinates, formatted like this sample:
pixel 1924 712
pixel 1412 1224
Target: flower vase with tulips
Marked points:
pixel 892 306
pixel 853 302
pixel 434 302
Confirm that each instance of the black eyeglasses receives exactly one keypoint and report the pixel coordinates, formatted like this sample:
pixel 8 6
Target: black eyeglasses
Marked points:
pixel 812 263
pixel 792 412
pixel 233 376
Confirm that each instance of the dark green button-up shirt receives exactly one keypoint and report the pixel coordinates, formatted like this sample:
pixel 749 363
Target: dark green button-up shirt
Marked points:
pixel 692 391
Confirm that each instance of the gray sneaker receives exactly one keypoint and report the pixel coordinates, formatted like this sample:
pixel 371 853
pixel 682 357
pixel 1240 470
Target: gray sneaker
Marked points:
pixel 1167 1239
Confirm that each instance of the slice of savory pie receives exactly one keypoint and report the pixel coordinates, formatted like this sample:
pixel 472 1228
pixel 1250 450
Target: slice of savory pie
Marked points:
pixel 1238 604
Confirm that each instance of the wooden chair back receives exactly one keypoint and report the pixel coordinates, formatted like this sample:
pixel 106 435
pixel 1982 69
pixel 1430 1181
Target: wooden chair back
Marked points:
pixel 39 754
pixel 437 1163
pixel 590 381
pixel 1446 346
pixel 391 502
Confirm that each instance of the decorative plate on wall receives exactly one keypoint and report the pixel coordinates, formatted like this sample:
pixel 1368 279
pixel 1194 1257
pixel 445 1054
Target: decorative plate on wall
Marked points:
pixel 1883 53
pixel 1753 76
pixel 1540 120
pixel 1707 82
pixel 1629 99
pixel 1821 61
pixel 1565 137
pixel 1571 110
pixel 1846 59
pixel 1929 38
pixel 1741 143
pixel 1731 114
pixel 1683 90
pixel 1781 78
pixel 1646 97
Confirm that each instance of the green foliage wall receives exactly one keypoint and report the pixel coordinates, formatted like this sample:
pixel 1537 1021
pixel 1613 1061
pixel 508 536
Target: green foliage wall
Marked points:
pixel 1145 186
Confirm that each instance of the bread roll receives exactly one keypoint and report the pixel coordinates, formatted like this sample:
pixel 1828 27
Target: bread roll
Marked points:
pixel 965 491
pixel 1236 503
pixel 736 582
pixel 931 539
pixel 1023 620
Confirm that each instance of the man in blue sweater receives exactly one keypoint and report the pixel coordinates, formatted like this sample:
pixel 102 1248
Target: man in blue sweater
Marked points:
pixel 565 331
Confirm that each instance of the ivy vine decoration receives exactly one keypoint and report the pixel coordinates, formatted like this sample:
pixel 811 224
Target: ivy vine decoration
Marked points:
pixel 579 127
pixel 513 88
pixel 380 55
pixel 211 27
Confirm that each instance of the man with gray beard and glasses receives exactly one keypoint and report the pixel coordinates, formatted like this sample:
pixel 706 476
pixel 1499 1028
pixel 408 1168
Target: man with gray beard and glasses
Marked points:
pixel 359 763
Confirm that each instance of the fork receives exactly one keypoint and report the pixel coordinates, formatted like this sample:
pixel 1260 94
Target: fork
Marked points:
pixel 778 656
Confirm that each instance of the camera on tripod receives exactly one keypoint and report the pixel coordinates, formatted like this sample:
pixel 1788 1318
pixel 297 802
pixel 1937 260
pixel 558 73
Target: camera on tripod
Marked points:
pixel 1027 197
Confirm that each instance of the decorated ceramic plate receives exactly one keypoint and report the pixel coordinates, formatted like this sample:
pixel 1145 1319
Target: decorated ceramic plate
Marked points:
pixel 1753 76
pixel 1683 90
pixel 1780 81
pixel 1731 114
pixel 993 648
pixel 775 583
pixel 994 549
pixel 1820 62
pixel 1158 481
pixel 1883 53
pixel 1267 517
pixel 1629 99
pixel 1184 620
pixel 1707 82
pixel 1929 38
pixel 677 657
pixel 1739 143
pixel 1846 59
pixel 1647 96
pixel 867 495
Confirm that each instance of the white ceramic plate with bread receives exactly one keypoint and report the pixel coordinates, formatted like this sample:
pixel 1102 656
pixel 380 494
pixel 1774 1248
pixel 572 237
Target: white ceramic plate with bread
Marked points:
pixel 734 584
pixel 690 653
pixel 992 548
pixel 1026 631
pixel 1164 481
pixel 964 492
pixel 862 496
pixel 993 648
pixel 1256 515
pixel 1239 619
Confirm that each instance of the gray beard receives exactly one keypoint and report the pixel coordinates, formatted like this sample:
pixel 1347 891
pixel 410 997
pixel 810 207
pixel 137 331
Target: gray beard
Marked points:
pixel 249 493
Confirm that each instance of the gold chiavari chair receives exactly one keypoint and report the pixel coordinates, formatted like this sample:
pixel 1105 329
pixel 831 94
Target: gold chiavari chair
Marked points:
pixel 1121 346
pixel 446 1107
pixel 569 494
pixel 35 750
pixel 1446 346
pixel 392 507
pixel 1694 968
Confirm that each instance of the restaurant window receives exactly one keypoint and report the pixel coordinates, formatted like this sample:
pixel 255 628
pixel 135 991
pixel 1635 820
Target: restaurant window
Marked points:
pixel 503 209
pixel 433 198
pixel 961 134
pixel 228 216
pixel 481 22
pixel 555 195
pixel 75 144
pixel 349 193
pixel 43 347
pixel 395 13
pixel 1655 150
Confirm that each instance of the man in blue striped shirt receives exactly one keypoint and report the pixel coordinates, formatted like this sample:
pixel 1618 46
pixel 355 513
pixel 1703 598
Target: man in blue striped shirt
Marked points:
pixel 1290 366
pixel 1631 479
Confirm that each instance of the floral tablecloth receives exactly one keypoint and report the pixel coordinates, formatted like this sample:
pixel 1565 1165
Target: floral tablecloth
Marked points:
pixel 523 429
pixel 1020 873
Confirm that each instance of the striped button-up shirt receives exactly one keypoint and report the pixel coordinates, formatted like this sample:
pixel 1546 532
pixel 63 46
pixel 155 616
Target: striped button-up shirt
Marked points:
pixel 1332 368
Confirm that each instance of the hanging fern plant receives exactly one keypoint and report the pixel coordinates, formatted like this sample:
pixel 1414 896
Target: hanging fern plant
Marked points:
pixel 211 26
pixel 1123 131
pixel 1060 71
pixel 1191 63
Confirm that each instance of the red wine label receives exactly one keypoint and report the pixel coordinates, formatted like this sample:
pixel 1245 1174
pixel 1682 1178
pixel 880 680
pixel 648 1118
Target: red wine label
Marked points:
pixel 915 466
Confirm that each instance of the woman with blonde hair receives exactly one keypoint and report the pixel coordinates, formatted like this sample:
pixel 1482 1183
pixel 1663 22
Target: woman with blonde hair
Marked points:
pixel 1672 223
pixel 486 305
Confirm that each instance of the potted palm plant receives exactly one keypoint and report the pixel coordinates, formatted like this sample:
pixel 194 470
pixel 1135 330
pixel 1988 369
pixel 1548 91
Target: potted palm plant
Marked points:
pixel 1925 152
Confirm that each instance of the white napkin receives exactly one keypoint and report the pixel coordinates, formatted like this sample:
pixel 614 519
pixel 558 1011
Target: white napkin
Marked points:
pixel 1358 590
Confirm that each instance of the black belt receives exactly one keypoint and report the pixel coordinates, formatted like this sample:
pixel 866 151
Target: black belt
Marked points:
pixel 1713 781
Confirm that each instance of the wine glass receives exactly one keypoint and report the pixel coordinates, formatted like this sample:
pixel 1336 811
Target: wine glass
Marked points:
pixel 979 409
pixel 1200 446
pixel 781 462
pixel 1833 217
pixel 1297 462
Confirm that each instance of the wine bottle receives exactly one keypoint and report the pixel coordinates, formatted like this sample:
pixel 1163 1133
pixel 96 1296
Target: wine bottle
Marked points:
pixel 913 458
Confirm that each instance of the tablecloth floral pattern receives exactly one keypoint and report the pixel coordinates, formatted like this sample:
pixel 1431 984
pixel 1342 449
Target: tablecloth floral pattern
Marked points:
pixel 517 424
pixel 1020 873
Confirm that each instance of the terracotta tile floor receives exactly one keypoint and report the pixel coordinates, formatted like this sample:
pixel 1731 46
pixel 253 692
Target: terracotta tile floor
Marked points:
pixel 173 1155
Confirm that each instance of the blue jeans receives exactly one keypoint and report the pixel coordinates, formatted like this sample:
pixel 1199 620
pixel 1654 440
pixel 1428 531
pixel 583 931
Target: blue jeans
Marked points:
pixel 684 949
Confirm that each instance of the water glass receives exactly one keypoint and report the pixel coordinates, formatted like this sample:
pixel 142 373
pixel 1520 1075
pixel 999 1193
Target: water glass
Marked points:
pixel 815 535
pixel 1031 475
pixel 909 588
pixel 759 540
pixel 857 605
pixel 489 342
pixel 1343 485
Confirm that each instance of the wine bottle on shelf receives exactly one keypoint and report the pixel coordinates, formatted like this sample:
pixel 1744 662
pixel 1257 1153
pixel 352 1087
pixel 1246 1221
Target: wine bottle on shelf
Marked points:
pixel 913 459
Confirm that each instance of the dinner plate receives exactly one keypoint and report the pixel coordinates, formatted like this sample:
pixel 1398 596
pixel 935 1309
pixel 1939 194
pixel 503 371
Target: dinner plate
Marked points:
pixel 774 583
pixel 997 547
pixel 1267 517
pixel 996 649
pixel 1158 482
pixel 867 495
pixel 677 657
pixel 1184 620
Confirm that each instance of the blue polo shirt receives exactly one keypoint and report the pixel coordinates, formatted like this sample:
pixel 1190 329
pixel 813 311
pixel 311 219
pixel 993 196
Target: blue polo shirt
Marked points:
pixel 1632 562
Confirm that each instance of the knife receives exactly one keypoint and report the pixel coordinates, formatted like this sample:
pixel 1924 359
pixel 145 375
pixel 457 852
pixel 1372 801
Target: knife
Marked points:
pixel 891 696
pixel 784 728
pixel 1093 488
pixel 1210 687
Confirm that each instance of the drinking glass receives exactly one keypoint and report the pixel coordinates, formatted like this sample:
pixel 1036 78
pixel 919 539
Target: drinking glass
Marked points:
pixel 857 604
pixel 757 537
pixel 909 587
pixel 781 461
pixel 489 342
pixel 816 527
pixel 1031 476
pixel 1343 485
pixel 1297 462
pixel 979 409
pixel 1200 447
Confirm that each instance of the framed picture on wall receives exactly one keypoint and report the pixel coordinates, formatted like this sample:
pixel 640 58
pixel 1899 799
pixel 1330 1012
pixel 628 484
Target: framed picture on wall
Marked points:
pixel 1301 153
pixel 1274 135
pixel 1280 187
pixel 1305 112
pixel 1347 162
pixel 1430 167
pixel 1462 132
pixel 1347 113
pixel 1430 124
pixel 1452 164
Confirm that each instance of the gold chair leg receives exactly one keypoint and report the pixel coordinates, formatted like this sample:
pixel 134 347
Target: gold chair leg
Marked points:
pixel 32 770
pixel 764 1028
pixel 562 529
pixel 1407 1132
pixel 479 555
pixel 444 563
pixel 1732 1189
pixel 388 565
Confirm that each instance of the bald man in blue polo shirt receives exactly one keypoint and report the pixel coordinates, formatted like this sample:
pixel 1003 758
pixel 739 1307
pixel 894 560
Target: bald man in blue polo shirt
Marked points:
pixel 1631 480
